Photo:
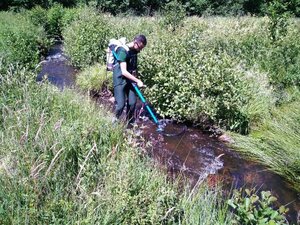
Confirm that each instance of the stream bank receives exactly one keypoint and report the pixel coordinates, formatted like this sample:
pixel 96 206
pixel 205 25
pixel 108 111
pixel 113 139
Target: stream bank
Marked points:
pixel 194 154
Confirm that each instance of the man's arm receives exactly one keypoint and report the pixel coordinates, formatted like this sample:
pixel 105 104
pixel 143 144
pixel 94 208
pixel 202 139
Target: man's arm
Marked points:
pixel 129 76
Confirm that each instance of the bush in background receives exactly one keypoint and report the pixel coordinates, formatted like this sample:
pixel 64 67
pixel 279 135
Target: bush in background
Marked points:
pixel 209 70
pixel 54 21
pixel 173 15
pixel 86 38
pixel 194 74
pixel 20 41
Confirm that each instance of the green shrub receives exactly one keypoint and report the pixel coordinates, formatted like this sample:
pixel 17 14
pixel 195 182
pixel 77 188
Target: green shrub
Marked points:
pixel 70 15
pixel 252 209
pixel 173 15
pixel 86 38
pixel 278 15
pixel 20 41
pixel 54 20
pixel 218 70
pixel 38 16
pixel 191 79
pixel 94 78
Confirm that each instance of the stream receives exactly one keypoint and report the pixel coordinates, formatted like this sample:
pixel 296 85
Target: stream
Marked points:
pixel 194 154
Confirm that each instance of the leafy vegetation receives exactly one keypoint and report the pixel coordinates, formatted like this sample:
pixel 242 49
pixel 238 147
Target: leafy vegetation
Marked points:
pixel 254 209
pixel 86 38
pixel 53 20
pixel 58 166
pixel 62 161
pixel 21 42
pixel 150 7
pixel 173 15
pixel 198 75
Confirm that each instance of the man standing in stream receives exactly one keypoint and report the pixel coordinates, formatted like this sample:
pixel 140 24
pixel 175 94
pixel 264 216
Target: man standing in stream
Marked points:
pixel 124 73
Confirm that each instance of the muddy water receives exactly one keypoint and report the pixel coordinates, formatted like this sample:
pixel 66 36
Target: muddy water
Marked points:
pixel 200 157
pixel 193 154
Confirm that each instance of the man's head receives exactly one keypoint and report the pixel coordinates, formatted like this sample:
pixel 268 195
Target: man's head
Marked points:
pixel 140 41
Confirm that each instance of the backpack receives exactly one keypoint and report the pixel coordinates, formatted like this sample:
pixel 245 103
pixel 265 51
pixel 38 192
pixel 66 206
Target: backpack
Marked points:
pixel 111 55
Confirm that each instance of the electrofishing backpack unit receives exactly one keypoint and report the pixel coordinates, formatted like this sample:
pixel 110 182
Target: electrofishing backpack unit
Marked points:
pixel 113 45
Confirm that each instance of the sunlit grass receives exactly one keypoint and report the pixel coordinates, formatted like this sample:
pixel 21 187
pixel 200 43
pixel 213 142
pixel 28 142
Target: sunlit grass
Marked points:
pixel 63 161
pixel 277 144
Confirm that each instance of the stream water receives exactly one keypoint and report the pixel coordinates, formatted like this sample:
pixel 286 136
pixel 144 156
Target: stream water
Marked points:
pixel 194 153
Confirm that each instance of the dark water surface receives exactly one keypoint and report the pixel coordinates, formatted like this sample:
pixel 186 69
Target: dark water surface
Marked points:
pixel 193 154
pixel 57 69
pixel 200 157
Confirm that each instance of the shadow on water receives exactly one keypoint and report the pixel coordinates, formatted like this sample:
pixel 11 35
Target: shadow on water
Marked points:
pixel 193 154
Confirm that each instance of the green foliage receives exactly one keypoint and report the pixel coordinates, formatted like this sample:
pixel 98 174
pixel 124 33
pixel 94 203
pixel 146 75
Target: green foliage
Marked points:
pixel 278 15
pixel 209 70
pixel 196 7
pixel 205 205
pixel 174 13
pixel 193 76
pixel 38 16
pixel 18 5
pixel 137 7
pixel 94 78
pixel 150 7
pixel 277 144
pixel 70 15
pixel 54 20
pixel 20 41
pixel 230 8
pixel 253 209
pixel 86 38
pixel 63 161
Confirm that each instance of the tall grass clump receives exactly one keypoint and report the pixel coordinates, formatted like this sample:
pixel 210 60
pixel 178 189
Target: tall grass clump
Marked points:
pixel 94 78
pixel 205 205
pixel 277 144
pixel 63 161
pixel 20 41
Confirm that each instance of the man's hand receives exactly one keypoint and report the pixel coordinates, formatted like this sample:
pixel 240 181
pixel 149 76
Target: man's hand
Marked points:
pixel 140 83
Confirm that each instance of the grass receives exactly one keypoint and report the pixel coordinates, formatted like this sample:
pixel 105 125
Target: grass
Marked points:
pixel 277 143
pixel 94 78
pixel 62 161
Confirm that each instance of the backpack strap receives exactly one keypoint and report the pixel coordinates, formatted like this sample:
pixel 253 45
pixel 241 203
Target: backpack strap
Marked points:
pixel 113 50
pixel 115 54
